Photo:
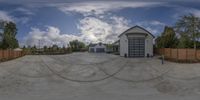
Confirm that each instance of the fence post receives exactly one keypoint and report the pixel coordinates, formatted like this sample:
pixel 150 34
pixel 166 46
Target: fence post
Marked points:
pixel 195 54
pixel 170 53
pixel 163 51
pixel 177 55
pixel 186 54
pixel 3 54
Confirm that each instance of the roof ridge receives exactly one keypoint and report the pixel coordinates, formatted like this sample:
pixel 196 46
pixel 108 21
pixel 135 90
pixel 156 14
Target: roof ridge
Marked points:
pixel 138 27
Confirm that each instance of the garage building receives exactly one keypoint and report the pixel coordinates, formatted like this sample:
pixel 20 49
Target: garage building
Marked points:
pixel 136 42
pixel 97 48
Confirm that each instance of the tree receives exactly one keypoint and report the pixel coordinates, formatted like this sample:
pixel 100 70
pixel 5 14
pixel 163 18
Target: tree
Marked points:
pixel 24 47
pixel 45 48
pixel 167 39
pixel 185 41
pixel 76 45
pixel 55 47
pixel 188 27
pixel 9 40
pixel 159 42
pixel 1 32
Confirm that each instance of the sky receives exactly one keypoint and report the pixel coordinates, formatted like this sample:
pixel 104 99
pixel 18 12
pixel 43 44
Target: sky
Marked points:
pixel 48 22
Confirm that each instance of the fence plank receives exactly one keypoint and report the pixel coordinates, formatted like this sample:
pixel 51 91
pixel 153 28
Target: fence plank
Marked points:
pixel 174 54
pixel 191 54
pixel 1 54
pixel 180 54
pixel 10 54
pixel 198 54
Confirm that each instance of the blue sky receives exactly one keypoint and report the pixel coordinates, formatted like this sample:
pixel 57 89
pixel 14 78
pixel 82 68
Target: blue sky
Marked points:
pixel 58 22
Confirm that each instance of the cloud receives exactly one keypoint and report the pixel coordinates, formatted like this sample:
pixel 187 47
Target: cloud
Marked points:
pixel 99 24
pixel 99 30
pixel 155 22
pixel 50 36
pixel 97 7
pixel 153 26
pixel 152 30
pixel 92 30
pixel 196 12
pixel 24 10
pixel 22 20
pixel 5 16
pixel 180 11
pixel 26 15
pixel 151 23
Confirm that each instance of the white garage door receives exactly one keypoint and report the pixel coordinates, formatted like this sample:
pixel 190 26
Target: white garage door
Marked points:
pixel 136 47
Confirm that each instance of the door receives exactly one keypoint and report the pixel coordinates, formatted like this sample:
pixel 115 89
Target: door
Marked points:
pixel 136 47
pixel 99 50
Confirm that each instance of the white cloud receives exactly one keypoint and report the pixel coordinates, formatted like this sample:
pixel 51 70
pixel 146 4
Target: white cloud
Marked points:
pixel 98 30
pixel 98 24
pixel 196 12
pixel 155 31
pixel 50 36
pixel 97 7
pixel 153 26
pixel 25 11
pixel 185 11
pixel 151 23
pixel 155 22
pixel 5 16
pixel 92 30
pixel 22 20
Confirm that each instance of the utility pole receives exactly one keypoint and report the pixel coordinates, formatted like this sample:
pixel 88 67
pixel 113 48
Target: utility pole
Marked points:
pixel 39 44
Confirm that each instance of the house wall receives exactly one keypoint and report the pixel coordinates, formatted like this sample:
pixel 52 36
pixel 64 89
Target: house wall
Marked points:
pixel 97 46
pixel 123 45
pixel 149 45
pixel 100 46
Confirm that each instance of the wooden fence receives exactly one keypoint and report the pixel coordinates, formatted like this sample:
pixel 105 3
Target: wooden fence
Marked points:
pixel 179 54
pixel 10 54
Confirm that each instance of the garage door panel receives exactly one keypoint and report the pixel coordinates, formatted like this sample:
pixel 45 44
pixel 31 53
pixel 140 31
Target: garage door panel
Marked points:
pixel 136 47
pixel 100 50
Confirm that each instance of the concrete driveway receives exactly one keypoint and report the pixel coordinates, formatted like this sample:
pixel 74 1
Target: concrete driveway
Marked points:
pixel 89 76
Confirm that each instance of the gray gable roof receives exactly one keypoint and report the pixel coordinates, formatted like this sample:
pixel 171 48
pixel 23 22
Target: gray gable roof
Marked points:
pixel 93 45
pixel 136 27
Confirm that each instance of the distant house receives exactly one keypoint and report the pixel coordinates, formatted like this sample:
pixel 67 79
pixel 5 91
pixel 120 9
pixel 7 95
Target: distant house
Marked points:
pixel 18 49
pixel 136 42
pixel 97 48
